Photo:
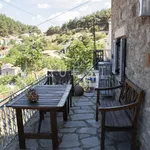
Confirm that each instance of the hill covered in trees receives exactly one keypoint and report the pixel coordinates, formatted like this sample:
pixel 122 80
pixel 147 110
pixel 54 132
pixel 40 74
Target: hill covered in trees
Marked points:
pixel 99 19
pixel 9 26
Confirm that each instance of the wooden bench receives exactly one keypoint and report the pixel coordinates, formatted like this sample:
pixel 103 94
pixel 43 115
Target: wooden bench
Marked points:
pixel 122 114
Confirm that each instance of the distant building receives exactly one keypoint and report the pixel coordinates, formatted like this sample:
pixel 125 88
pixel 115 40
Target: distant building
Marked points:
pixel 4 41
pixel 26 34
pixel 34 34
pixel 18 41
pixel 8 69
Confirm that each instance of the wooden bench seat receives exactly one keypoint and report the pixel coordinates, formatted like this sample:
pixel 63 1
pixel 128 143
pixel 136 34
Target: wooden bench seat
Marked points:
pixel 120 114
pixel 115 118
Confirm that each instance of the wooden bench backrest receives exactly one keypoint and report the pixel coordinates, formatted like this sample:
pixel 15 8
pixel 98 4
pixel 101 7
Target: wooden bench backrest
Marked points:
pixel 59 77
pixel 130 93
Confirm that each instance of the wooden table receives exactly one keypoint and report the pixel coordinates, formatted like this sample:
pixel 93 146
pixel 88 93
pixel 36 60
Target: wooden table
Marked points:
pixel 52 98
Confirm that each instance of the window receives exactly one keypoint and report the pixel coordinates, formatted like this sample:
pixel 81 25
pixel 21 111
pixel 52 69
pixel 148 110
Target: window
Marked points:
pixel 144 7
pixel 118 58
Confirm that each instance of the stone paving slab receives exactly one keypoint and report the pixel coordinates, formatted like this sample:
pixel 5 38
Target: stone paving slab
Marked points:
pixel 88 131
pixel 80 132
pixel 82 116
pixel 72 124
pixel 70 141
pixel 83 104
pixel 90 142
pixel 83 111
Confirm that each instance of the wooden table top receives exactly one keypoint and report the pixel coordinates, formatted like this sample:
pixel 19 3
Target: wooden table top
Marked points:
pixel 50 96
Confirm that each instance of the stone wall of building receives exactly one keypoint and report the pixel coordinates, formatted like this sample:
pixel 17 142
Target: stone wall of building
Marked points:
pixel 127 22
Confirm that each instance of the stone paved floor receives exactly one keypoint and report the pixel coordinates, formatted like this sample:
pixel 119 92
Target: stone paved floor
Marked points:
pixel 80 132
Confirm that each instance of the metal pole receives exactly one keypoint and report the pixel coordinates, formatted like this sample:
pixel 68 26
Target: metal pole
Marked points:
pixel 94 33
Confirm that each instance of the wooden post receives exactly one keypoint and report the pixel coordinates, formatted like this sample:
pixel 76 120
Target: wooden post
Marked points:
pixel 97 104
pixel 103 131
pixel 20 129
pixel 94 34
pixel 65 112
pixel 53 119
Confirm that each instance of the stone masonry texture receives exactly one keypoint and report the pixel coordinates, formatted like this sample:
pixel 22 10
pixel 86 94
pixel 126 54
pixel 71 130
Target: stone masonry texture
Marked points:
pixel 125 13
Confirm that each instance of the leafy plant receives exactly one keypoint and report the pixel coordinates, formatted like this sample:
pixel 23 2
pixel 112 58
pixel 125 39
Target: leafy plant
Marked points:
pixel 79 56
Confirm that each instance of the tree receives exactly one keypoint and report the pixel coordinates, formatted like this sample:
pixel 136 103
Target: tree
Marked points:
pixel 53 63
pixel 3 29
pixel 34 29
pixel 79 56
pixel 53 30
pixel 11 27
pixel 30 57
pixel 86 22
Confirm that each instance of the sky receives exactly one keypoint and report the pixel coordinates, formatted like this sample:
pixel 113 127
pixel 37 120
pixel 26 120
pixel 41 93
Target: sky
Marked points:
pixel 37 11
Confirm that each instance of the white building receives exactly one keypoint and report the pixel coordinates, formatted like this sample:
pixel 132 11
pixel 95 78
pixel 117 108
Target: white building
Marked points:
pixel 26 34
pixel 8 69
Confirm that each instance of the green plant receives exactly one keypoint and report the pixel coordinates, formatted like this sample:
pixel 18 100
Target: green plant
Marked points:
pixel 100 45
pixel 79 56
pixel 29 79
pixel 4 88
pixel 100 36
pixel 6 79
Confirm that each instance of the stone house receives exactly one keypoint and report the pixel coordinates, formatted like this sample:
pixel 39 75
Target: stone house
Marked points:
pixel 18 41
pixel 131 53
pixel 4 41
pixel 9 69
pixel 26 34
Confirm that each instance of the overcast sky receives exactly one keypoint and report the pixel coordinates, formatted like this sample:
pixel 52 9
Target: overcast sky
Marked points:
pixel 42 10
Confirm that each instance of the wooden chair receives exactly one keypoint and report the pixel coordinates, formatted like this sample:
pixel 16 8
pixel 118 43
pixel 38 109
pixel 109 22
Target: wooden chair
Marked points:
pixel 59 77
pixel 122 114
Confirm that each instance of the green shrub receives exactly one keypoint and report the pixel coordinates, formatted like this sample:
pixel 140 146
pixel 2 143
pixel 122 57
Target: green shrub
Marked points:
pixel 53 63
pixel 100 46
pixel 4 88
pixel 100 36
pixel 6 79
pixel 29 79
pixel 69 32
pixel 53 46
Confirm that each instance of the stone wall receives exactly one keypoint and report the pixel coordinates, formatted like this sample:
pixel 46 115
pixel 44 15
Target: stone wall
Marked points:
pixel 126 22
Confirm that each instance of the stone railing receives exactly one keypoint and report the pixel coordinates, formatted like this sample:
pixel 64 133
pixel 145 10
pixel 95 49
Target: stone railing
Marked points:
pixel 8 124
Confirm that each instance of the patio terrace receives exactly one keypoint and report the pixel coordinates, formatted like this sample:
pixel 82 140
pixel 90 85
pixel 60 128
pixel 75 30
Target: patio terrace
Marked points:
pixel 80 132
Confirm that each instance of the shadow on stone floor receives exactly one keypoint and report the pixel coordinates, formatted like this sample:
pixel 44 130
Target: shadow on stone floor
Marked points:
pixel 80 132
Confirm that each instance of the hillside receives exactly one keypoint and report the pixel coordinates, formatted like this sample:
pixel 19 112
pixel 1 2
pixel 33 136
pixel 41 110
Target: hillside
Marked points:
pixel 9 26
pixel 99 19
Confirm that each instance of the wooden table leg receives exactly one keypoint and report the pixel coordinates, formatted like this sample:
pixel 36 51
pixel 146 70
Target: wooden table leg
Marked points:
pixel 70 99
pixel 68 104
pixel 20 129
pixel 41 114
pixel 53 120
pixel 65 112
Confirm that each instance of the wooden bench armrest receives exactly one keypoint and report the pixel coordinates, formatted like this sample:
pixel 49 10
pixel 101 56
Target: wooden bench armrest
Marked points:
pixel 116 108
pixel 109 88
